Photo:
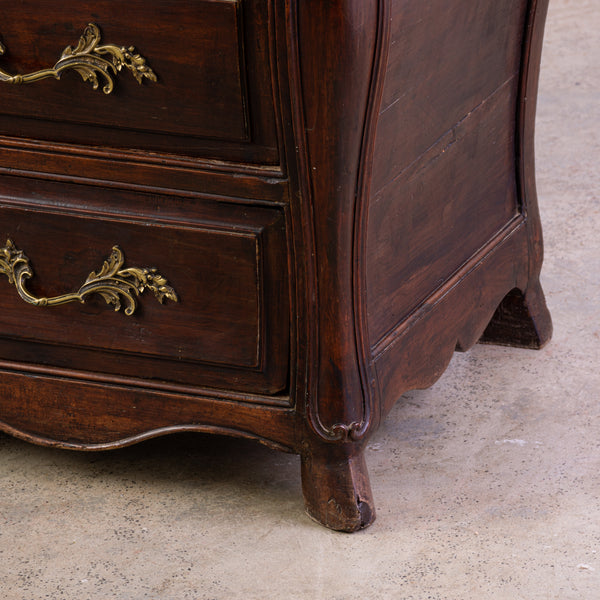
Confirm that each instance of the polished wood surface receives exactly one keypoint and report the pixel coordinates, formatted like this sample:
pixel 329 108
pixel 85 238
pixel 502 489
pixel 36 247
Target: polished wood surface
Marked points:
pixel 207 76
pixel 226 267
pixel 342 193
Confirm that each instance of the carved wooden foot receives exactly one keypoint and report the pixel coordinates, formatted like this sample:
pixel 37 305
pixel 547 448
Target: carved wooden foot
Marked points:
pixel 336 488
pixel 522 320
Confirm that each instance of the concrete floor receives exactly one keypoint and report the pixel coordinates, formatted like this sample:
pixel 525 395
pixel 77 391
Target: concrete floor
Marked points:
pixel 487 485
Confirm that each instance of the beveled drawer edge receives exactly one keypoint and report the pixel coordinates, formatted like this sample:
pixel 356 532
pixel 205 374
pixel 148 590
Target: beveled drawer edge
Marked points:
pixel 130 174
pixel 142 156
pixel 256 192
pixel 196 224
pixel 279 400
pixel 192 222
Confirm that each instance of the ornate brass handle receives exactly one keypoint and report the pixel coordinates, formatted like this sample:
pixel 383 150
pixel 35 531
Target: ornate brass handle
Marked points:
pixel 111 282
pixel 90 60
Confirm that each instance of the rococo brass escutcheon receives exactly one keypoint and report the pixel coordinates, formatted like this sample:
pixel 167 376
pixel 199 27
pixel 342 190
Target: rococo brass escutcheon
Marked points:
pixel 90 60
pixel 111 282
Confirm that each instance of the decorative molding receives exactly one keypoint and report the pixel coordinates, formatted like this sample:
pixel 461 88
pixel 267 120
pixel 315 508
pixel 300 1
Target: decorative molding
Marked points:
pixel 322 379
pixel 368 373
pixel 525 131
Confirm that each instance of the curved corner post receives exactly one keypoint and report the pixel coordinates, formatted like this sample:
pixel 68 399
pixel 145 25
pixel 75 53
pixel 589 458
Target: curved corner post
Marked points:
pixel 525 139
pixel 334 50
pixel 522 319
pixel 525 142
pixel 337 56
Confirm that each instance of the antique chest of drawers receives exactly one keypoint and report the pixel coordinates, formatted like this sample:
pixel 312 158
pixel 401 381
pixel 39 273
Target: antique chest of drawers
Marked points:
pixel 263 218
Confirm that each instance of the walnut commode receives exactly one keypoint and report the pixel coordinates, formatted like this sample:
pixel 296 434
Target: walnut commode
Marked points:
pixel 327 198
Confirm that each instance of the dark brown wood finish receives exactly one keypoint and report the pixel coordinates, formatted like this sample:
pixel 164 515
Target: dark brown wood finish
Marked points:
pixel 210 58
pixel 211 112
pixel 342 193
pixel 225 264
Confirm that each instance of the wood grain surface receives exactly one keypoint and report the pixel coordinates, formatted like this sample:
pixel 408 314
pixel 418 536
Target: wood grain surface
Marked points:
pixel 342 193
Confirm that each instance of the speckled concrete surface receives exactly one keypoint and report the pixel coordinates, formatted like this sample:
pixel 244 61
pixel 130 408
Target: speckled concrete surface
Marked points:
pixel 487 485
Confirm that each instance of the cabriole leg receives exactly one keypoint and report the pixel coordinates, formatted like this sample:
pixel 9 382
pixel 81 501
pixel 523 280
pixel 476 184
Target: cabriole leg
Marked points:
pixel 336 487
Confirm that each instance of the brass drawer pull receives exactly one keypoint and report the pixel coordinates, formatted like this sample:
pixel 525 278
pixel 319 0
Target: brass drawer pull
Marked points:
pixel 111 282
pixel 90 60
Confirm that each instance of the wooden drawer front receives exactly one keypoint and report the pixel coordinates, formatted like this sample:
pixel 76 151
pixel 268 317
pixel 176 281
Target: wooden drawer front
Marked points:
pixel 196 49
pixel 229 275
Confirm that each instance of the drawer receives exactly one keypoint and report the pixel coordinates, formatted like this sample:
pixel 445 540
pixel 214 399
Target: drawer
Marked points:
pixel 210 59
pixel 227 266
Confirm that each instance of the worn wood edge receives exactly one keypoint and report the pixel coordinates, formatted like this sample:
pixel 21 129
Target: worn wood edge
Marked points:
pixel 522 318
pixel 309 190
pixel 421 311
pixel 498 272
pixel 167 217
pixel 277 401
pixel 336 489
pixel 525 133
pixel 371 414
pixel 141 156
pixel 129 171
pixel 270 424
pixel 278 201
pixel 268 194
pixel 39 440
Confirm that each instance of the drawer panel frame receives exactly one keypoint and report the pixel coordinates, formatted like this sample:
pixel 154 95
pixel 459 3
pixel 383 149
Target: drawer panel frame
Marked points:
pixel 244 342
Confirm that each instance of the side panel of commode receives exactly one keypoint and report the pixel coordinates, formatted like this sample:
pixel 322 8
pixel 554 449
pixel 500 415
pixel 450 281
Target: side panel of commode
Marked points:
pixel 448 234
